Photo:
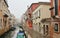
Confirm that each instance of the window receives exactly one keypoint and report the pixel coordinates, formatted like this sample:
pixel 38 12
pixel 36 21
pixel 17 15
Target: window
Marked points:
pixel 0 23
pixel 56 27
pixel 39 13
pixel 5 21
pixel 44 29
pixel 36 14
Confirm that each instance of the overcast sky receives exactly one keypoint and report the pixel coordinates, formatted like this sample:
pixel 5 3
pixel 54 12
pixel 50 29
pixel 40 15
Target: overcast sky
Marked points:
pixel 18 7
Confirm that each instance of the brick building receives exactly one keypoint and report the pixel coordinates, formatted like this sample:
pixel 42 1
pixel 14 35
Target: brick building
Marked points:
pixel 53 28
pixel 55 20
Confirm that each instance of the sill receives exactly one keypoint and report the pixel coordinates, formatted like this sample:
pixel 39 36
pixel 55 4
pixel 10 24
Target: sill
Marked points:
pixel 45 34
pixel 57 32
pixel 37 17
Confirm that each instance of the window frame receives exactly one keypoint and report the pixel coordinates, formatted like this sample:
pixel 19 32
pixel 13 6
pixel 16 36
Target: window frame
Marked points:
pixel 38 13
pixel 1 23
pixel 58 27
pixel 46 31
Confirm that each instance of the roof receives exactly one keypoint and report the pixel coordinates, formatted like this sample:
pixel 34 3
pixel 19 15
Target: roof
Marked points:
pixel 35 5
pixel 45 3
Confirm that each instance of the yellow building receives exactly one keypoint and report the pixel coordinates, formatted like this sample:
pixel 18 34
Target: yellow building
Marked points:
pixel 41 12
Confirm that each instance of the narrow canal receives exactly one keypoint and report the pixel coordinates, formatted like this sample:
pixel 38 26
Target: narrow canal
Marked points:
pixel 10 34
pixel 13 34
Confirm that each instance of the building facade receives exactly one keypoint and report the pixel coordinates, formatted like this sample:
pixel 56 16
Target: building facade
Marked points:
pixel 41 12
pixel 55 20
pixel 53 28
pixel 4 17
pixel 29 13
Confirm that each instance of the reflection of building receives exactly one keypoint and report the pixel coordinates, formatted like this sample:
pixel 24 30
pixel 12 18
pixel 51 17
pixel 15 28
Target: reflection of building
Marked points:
pixel 41 12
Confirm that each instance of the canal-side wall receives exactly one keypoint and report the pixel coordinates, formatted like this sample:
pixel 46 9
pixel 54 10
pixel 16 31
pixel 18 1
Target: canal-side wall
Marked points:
pixel 34 34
